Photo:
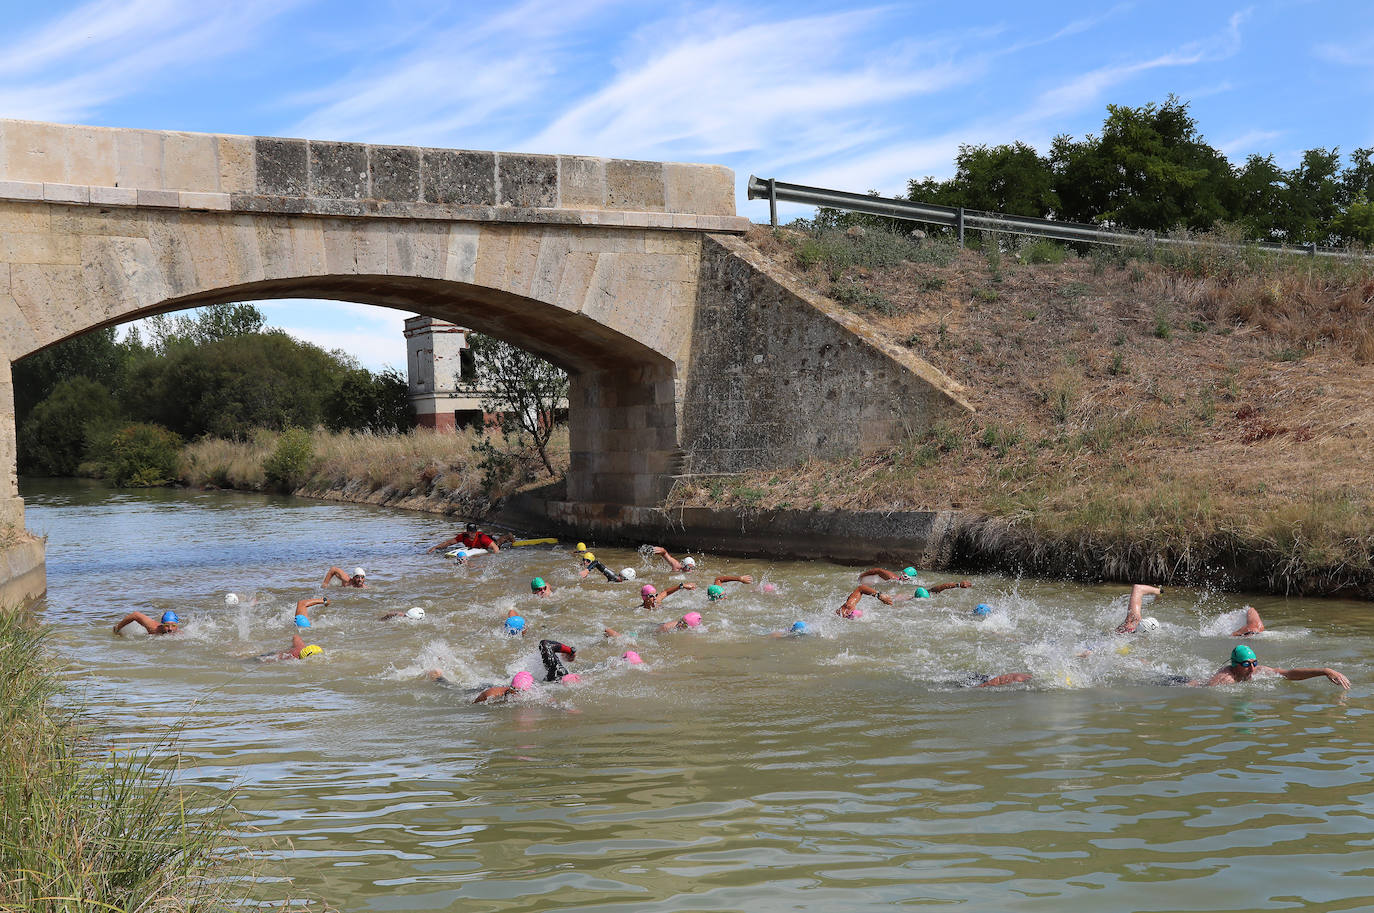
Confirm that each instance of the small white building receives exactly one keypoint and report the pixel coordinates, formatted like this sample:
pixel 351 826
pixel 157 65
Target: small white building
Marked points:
pixel 437 356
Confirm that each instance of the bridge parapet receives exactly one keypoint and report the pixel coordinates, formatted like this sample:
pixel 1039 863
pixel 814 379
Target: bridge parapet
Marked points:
pixel 106 166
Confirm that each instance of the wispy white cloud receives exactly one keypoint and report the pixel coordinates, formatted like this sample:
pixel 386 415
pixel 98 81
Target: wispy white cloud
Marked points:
pixel 1356 52
pixel 1248 142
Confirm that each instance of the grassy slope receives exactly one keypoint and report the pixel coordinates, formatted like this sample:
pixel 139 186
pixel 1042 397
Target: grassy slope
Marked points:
pixel 1134 417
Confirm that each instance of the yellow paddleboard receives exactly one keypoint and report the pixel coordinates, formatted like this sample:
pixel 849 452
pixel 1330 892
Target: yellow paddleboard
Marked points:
pixel 519 542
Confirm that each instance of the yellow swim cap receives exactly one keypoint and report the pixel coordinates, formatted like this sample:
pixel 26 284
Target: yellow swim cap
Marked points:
pixel 310 650
pixel 581 546
pixel 588 556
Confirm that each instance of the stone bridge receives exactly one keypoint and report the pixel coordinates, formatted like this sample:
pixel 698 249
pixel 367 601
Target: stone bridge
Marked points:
pixel 685 349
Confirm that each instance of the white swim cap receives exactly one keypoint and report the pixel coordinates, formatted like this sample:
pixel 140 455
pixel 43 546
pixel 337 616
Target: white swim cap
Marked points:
pixel 231 598
pixel 359 572
pixel 1149 623
pixel 415 612
pixel 689 561
pixel 628 573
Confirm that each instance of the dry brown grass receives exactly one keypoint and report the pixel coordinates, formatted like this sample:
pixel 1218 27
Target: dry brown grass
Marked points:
pixel 1190 415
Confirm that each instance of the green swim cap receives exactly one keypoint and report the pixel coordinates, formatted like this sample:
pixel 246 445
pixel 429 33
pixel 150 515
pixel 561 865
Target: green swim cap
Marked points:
pixel 715 591
pixel 1241 654
pixel 922 593
pixel 909 572
pixel 537 584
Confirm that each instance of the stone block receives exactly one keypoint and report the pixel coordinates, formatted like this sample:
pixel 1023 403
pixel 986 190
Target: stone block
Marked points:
pixel 21 190
pixel 417 250
pixel 35 152
pixel 395 173
pixel 138 156
pixel 338 171
pixel 703 189
pixel 529 181
pixel 40 247
pixel 66 193
pixel 456 176
pixel 236 164
pixel 190 199
pixel 116 196
pixel 581 182
pixel 634 185
pixel 279 166
pixel 167 198
pixel 190 161
pixel 460 262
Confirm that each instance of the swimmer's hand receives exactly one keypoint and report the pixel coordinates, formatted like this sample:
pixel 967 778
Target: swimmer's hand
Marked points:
pixel 747 578
pixel 885 600
pixel 964 584
pixel 660 550
pixel 1336 678
pixel 610 632
pixel 582 573
pixel 688 586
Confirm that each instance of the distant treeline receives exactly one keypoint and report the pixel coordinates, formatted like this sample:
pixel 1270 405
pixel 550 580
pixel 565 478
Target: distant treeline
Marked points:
pixel 1150 169
pixel 119 409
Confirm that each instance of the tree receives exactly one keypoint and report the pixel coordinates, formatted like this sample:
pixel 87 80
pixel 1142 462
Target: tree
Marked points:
pixel 523 387
pixel 1009 178
pixel 212 323
pixel 96 356
pixel 1261 190
pixel 53 439
pixel 1313 197
pixel 363 401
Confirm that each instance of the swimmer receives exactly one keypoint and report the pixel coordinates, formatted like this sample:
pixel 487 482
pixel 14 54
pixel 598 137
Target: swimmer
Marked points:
pixel 299 650
pixel 680 567
pixel 1243 667
pixel 650 597
pixel 549 651
pixel 997 681
pixel 849 609
pixel 690 620
pixel 906 574
pixel 589 563
pixel 1253 623
pixel 716 591
pixel 539 588
pixel 798 629
pixel 358 580
pixel 1133 619
pixel 472 537
pixel 515 623
pixel 303 610
pixel 523 681
pixel 633 658
pixel 415 613
pixel 923 593
pixel 982 610
pixel 169 623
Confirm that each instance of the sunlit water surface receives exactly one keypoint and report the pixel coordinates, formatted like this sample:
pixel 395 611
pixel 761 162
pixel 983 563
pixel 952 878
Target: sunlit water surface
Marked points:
pixel 846 770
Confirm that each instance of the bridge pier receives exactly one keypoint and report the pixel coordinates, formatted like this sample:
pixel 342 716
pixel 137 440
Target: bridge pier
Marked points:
pixel 622 427
pixel 11 505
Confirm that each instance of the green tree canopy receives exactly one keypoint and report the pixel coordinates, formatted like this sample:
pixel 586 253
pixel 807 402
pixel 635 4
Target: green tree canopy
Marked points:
pixel 520 385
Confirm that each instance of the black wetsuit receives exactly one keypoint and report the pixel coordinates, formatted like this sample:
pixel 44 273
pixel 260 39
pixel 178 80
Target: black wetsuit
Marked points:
pixel 611 575
pixel 549 651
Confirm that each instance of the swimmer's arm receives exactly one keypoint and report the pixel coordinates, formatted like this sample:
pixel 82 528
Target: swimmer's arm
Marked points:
pixel 297 645
pixel 334 573
pixel 148 624
pixel 1011 678
pixel 1297 675
pixel 492 694
pixel 941 587
pixel 1253 623
pixel 675 587
pixel 731 578
pixel 305 605
pixel 882 572
pixel 869 591
pixel 390 615
pixel 672 562
pixel 610 633
pixel 445 544
pixel 1223 676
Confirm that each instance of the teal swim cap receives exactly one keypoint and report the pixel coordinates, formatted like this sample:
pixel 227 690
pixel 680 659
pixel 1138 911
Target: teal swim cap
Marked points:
pixel 302 621
pixel 537 584
pixel 909 572
pixel 922 593
pixel 1242 654
pixel 714 592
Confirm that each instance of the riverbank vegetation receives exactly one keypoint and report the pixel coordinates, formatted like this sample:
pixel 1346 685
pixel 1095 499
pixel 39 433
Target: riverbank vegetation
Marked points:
pixel 86 828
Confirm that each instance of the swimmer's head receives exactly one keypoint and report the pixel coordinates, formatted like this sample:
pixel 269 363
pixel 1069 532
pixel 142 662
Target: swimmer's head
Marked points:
pixel 415 612
pixel 231 598
pixel 648 590
pixel 515 624
pixel 359 572
pixel 857 613
pixel 692 619
pixel 908 573
pixel 310 650
pixel 302 621
pixel 714 592
pixel 523 681
pixel 588 557
pixel 922 593
pixel 572 678
pixel 688 563
pixel 770 587
pixel 798 627
pixel 982 610
pixel 1242 654
pixel 537 585
pixel 581 547
pixel 1149 623
pixel 631 657
pixel 628 573
pixel 170 618
pixel 471 527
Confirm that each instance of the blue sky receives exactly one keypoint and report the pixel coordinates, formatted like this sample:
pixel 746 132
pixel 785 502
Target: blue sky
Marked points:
pixel 851 96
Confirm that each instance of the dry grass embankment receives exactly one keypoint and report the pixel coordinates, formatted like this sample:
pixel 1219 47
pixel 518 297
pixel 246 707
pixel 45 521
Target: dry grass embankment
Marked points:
pixel 1188 416
pixel 421 470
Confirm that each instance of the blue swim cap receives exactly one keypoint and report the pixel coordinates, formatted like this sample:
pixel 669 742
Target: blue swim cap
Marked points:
pixel 170 618
pixel 515 624
pixel 302 621
pixel 982 609
pixel 798 627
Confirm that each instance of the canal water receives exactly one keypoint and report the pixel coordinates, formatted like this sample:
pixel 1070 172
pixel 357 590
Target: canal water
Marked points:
pixel 850 769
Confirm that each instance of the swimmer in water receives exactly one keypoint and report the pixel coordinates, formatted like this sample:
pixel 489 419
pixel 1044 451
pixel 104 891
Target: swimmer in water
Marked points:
pixel 589 563
pixel 679 567
pixel 1243 667
pixel 923 593
pixel 472 537
pixel 303 610
pixel 905 574
pixel 515 623
pixel 549 653
pixel 1133 619
pixel 415 613
pixel 997 681
pixel 299 650
pixel 798 629
pixel 686 622
pixel 715 591
pixel 539 588
pixel 1253 623
pixel 523 681
pixel 169 624
pixel 850 608
pixel 651 598
pixel 358 580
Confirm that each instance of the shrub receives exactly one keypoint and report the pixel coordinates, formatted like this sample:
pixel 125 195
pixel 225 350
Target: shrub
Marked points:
pixel 291 462
pixel 135 456
pixel 54 436
pixel 1043 250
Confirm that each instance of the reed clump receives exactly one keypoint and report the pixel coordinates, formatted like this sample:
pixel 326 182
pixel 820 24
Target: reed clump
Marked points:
pixel 84 829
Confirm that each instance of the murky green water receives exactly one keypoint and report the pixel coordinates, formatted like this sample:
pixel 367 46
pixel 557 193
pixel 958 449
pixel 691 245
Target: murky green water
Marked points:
pixel 847 770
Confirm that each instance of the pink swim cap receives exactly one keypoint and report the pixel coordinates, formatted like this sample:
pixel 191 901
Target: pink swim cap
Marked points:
pixel 632 658
pixel 770 587
pixel 523 681
pixel 857 613
pixel 648 590
pixel 692 618
pixel 572 678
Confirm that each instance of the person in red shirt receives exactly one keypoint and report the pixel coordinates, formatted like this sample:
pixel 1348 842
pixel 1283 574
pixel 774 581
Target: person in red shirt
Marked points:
pixel 472 537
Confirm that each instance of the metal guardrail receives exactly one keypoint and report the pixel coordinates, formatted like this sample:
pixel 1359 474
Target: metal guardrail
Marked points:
pixel 962 219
